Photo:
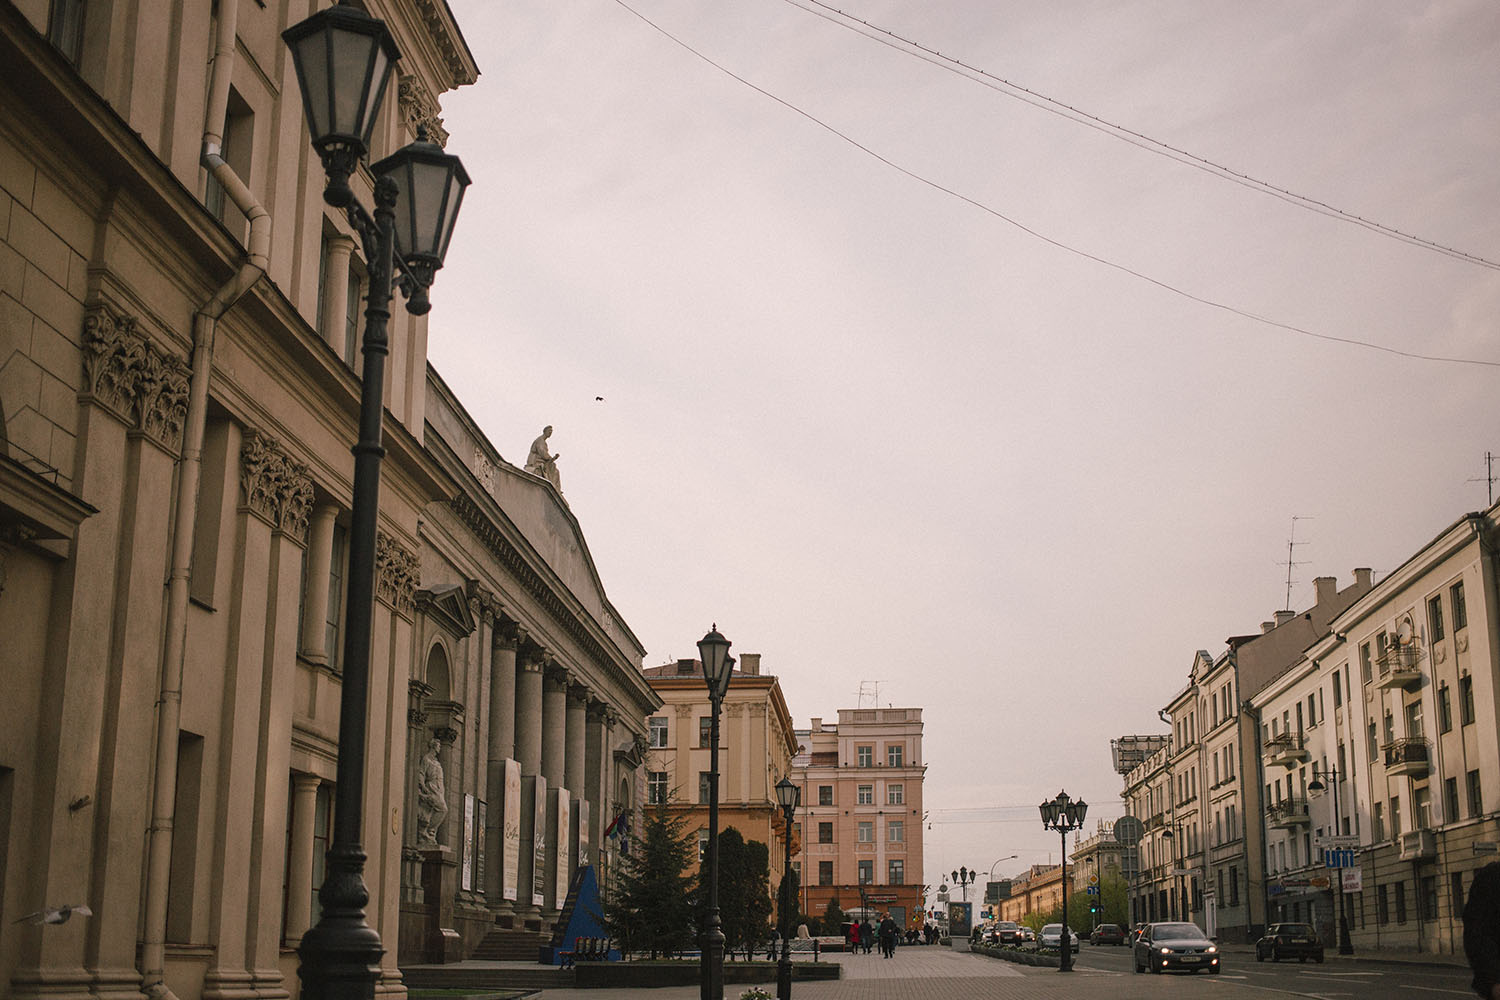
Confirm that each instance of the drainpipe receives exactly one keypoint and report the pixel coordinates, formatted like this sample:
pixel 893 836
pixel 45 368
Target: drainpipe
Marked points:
pixel 205 326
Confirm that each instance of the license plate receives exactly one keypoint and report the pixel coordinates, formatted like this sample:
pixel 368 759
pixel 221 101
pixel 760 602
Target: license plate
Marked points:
pixel 1192 958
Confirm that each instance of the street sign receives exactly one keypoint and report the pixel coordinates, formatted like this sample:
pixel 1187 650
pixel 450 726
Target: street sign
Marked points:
pixel 1336 842
pixel 1486 847
pixel 1094 878
pixel 1093 890
pixel 1353 879
pixel 1129 830
pixel 1340 858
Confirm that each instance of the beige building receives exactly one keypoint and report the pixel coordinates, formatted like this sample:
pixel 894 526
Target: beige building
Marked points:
pixel 756 745
pixel 861 811
pixel 1036 894
pixel 179 318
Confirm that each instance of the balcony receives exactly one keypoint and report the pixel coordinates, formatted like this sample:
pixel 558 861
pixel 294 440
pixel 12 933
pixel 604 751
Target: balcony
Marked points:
pixel 1407 758
pixel 1400 666
pixel 1286 750
pixel 1288 814
pixel 1418 845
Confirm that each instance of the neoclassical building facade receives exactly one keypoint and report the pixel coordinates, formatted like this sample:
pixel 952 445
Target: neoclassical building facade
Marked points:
pixel 179 331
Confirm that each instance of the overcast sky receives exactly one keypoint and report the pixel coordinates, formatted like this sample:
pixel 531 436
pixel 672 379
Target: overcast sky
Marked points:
pixel 881 434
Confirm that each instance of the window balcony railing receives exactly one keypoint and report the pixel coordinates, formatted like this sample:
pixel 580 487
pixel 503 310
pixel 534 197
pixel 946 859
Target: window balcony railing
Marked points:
pixel 1409 757
pixel 1287 750
pixel 1399 665
pixel 1288 814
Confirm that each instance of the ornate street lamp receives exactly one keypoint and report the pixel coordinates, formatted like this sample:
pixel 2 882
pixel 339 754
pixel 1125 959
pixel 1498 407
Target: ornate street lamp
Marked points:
pixel 787 796
pixel 1064 815
pixel 1346 946
pixel 964 878
pixel 718 666
pixel 343 59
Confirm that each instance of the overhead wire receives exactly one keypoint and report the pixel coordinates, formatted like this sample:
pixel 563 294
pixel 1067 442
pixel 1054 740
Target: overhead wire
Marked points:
pixel 1121 132
pixel 1036 234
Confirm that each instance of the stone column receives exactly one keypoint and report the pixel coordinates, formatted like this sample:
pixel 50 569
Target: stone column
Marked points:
pixel 594 779
pixel 299 868
pixel 555 727
pixel 336 292
pixel 502 745
pixel 576 721
pixel 314 640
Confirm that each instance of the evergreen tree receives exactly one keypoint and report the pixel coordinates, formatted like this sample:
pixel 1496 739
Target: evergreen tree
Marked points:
pixel 833 918
pixel 791 892
pixel 651 909
pixel 744 892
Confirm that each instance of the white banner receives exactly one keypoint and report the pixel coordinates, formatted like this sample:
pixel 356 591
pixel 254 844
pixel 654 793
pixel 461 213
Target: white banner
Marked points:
pixel 560 885
pixel 1354 879
pixel 510 843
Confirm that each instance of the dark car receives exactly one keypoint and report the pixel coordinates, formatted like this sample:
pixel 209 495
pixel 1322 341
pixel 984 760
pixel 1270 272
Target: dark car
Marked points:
pixel 1107 934
pixel 1007 933
pixel 1297 941
pixel 1135 930
pixel 1174 946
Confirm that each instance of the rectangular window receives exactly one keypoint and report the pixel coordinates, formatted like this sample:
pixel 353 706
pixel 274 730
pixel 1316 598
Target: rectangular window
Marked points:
pixel 705 784
pixel 1364 662
pixel 1400 902
pixel 1427 898
pixel 1421 809
pixel 1382 905
pixel 705 732
pixel 1450 800
pixel 825 833
pixel 353 294
pixel 1414 719
pixel 1377 822
pixel 865 756
pixel 338 565
pixel 866 831
pixel 65 28
pixel 1460 612
pixel 825 795
pixel 1476 795
pixel 1445 709
pixel 1395 816
pixel 1234 885
pixel 1372 742
pixel 865 795
pixel 895 795
pixel 825 873
pixel 1435 617
pixel 895 871
pixel 895 753
pixel 1466 701
pixel 1456 879
pixel 1338 692
pixel 867 871
pixel 656 787
pixel 895 831
pixel 658 728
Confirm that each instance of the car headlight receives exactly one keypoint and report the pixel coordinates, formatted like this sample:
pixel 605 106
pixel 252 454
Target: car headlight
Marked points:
pixel 1211 949
pixel 1166 951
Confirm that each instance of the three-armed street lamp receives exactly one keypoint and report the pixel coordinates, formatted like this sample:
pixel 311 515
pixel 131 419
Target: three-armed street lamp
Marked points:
pixel 964 878
pixel 718 665
pixel 1064 815
pixel 343 58
pixel 787 796
pixel 1346 946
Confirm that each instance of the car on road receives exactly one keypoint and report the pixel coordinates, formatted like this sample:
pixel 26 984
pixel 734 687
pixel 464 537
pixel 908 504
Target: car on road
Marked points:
pixel 1297 941
pixel 1107 934
pixel 1007 933
pixel 1051 937
pixel 1174 945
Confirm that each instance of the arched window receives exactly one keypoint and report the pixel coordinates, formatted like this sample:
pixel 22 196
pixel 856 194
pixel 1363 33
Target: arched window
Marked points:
pixel 437 673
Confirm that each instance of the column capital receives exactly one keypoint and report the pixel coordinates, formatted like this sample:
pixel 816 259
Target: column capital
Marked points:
pixel 506 636
pixel 684 711
pixel 274 486
pixel 304 782
pixel 579 691
pixel 597 710
pixel 557 675
pixel 398 574
pixel 531 659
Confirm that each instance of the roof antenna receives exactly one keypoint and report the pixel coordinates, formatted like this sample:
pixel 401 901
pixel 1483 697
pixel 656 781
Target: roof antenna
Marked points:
pixel 1291 544
pixel 1489 475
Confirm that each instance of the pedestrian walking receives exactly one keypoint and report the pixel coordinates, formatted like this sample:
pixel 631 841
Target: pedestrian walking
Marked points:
pixel 866 934
pixel 1482 931
pixel 887 936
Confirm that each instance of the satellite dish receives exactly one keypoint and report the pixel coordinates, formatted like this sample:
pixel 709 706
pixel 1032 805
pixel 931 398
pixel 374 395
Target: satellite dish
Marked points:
pixel 1404 631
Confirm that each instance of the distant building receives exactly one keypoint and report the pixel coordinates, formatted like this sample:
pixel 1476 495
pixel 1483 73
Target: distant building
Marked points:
pixel 862 812
pixel 1037 891
pixel 756 743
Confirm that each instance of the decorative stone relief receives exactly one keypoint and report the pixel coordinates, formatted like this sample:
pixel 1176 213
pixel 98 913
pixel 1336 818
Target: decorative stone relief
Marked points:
pixel 484 470
pixel 420 109
pixel 274 486
pixel 146 387
pixel 397 573
pixel 417 693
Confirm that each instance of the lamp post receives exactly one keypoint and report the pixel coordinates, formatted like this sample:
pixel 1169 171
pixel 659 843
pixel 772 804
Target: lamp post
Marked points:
pixel 1064 815
pixel 787 795
pixel 964 878
pixel 718 665
pixel 1346 946
pixel 343 58
pixel 1170 835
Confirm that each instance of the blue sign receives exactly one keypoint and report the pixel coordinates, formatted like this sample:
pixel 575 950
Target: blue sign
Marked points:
pixel 1342 858
pixel 1093 890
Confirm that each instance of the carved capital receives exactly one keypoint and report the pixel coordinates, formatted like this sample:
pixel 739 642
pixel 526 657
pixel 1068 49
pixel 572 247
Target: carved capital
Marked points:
pixel 419 108
pixel 684 711
pixel 557 677
pixel 397 574
pixel 141 384
pixel 274 486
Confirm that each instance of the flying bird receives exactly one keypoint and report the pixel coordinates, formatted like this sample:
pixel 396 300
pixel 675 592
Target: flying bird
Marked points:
pixel 598 399
pixel 56 914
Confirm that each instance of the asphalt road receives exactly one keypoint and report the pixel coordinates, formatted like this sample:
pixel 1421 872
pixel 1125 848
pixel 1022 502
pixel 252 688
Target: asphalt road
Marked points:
pixel 1336 979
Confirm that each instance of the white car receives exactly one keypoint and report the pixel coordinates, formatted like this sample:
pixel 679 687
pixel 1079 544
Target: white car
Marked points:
pixel 1051 937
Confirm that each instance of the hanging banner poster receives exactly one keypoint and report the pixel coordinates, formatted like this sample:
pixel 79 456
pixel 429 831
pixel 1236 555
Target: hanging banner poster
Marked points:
pixel 581 814
pixel 560 874
pixel 466 849
pixel 510 842
pixel 539 843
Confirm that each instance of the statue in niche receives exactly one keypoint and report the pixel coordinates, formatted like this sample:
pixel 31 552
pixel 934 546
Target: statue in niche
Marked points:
pixel 540 463
pixel 432 796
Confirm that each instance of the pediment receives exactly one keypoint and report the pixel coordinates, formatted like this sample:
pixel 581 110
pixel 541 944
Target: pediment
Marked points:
pixel 449 607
